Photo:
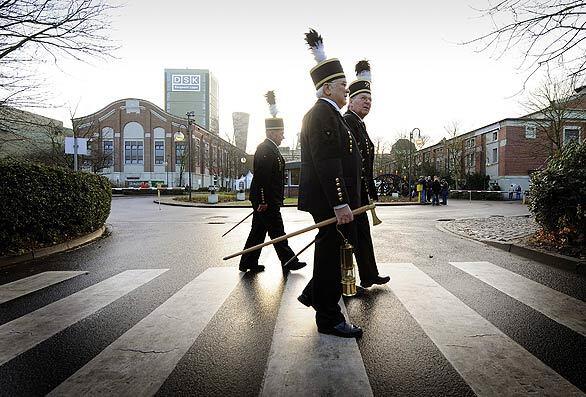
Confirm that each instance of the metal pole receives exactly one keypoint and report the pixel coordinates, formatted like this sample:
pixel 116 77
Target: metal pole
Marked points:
pixel 189 124
pixel 74 150
pixel 409 172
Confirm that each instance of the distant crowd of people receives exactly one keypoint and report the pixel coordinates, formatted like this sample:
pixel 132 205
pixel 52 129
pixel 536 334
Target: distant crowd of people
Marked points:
pixel 432 189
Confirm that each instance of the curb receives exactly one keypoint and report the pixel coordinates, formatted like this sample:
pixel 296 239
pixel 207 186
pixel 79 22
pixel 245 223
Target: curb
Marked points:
pixel 42 252
pixel 203 205
pixel 556 260
pixel 551 259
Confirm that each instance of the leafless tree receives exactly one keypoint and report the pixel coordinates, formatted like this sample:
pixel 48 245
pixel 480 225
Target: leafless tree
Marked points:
pixel 547 33
pixel 551 105
pixel 33 32
pixel 32 138
pixel 454 144
pixel 382 149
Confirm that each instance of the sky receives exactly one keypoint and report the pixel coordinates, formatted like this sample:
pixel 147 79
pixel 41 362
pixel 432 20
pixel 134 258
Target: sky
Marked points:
pixel 422 77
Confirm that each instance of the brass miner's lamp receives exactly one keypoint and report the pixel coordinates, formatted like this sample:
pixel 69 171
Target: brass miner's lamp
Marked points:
pixel 347 268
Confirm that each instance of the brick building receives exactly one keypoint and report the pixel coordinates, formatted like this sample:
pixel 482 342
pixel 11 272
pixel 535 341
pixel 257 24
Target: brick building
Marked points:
pixel 133 140
pixel 508 151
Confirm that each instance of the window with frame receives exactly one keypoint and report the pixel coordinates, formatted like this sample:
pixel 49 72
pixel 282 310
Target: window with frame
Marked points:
pixel 530 132
pixel 495 155
pixel 108 152
pixel 470 143
pixel 160 152
pixel 470 160
pixel 495 135
pixel 180 150
pixel 133 152
pixel 571 134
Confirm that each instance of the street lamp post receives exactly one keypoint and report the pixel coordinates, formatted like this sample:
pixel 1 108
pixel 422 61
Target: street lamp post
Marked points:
pixel 411 155
pixel 167 169
pixel 190 121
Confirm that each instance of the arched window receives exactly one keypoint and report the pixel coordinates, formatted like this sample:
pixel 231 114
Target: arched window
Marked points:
pixel 133 143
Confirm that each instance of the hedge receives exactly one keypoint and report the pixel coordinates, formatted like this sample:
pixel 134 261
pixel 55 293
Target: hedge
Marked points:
pixel 558 195
pixel 43 205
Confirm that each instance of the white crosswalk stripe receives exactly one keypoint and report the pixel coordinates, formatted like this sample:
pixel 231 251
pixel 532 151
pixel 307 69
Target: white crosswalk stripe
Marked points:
pixel 34 283
pixel 25 332
pixel 300 361
pixel 562 308
pixel 304 362
pixel 138 362
pixel 488 360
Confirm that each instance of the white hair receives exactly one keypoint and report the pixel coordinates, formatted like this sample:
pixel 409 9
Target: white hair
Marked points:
pixel 320 92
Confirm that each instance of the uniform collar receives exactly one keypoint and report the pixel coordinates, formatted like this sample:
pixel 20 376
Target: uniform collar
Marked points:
pixel 356 114
pixel 273 142
pixel 334 104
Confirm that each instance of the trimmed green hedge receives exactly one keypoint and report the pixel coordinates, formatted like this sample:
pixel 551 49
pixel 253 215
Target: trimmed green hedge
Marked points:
pixel 558 195
pixel 43 205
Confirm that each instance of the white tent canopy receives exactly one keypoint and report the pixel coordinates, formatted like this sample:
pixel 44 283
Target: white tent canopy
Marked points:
pixel 245 179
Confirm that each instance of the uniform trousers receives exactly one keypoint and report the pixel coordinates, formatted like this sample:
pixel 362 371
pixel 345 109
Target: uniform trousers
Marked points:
pixel 271 222
pixel 325 288
pixel 363 248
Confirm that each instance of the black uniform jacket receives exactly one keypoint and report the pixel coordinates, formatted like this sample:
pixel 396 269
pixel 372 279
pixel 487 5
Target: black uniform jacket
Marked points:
pixel 330 162
pixel 269 175
pixel 366 148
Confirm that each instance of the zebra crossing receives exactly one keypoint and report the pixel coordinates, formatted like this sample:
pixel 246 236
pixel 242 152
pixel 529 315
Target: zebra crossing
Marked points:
pixel 301 361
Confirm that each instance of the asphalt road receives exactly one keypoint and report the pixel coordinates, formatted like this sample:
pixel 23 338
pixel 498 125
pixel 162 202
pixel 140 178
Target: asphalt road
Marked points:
pixel 232 353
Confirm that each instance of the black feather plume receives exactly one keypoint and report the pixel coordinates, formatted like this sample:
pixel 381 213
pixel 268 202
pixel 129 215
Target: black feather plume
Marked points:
pixel 362 66
pixel 270 96
pixel 313 38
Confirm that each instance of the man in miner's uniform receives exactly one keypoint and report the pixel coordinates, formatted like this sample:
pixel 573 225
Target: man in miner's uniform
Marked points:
pixel 329 186
pixel 266 195
pixel 358 107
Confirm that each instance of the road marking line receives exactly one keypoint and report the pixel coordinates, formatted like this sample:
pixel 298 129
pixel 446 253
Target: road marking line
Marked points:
pixel 34 283
pixel 28 331
pixel 489 361
pixel 560 307
pixel 140 361
pixel 304 362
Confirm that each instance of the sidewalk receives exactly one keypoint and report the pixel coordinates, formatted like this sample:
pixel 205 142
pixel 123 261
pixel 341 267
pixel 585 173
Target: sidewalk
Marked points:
pixel 510 234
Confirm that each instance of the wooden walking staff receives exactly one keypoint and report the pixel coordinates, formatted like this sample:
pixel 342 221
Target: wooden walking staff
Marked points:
pixel 233 227
pixel 298 232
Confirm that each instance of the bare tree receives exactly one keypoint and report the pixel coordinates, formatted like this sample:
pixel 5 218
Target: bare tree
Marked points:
pixel 33 34
pixel 381 159
pixel 551 105
pixel 36 31
pixel 546 32
pixel 454 145
pixel 32 138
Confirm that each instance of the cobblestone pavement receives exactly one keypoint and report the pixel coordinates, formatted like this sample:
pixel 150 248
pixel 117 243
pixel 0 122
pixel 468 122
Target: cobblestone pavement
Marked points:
pixel 494 228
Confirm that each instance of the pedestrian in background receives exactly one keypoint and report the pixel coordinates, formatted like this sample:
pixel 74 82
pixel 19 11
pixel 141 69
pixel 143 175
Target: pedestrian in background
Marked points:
pixel 445 191
pixel 267 194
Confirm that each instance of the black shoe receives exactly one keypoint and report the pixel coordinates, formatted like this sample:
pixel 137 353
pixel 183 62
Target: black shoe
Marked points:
pixel 304 299
pixel 294 266
pixel 344 330
pixel 253 268
pixel 376 280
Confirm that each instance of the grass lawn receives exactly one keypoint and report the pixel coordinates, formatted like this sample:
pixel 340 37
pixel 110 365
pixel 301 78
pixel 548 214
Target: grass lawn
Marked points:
pixel 225 198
